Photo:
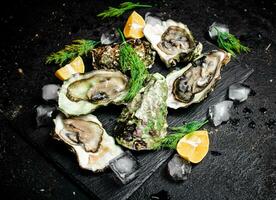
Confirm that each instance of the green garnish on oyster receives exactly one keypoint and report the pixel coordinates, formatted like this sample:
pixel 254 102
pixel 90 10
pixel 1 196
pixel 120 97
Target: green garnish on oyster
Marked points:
pixel 170 141
pixel 143 121
pixel 77 48
pixel 107 57
pixel 130 61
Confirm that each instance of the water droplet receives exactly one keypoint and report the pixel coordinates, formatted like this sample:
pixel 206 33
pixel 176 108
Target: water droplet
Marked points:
pixel 263 110
pixel 247 110
pixel 252 93
pixel 252 125
pixel 216 153
pixel 161 195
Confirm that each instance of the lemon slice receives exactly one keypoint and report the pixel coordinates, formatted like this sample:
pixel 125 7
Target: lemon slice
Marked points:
pixel 76 66
pixel 134 26
pixel 193 146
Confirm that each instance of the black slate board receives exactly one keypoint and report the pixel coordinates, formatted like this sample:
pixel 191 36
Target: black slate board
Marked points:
pixel 102 185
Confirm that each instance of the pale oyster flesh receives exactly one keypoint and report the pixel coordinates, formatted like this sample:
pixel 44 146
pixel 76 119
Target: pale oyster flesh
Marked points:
pixel 107 57
pixel 143 121
pixel 192 83
pixel 173 41
pixel 82 94
pixel 87 138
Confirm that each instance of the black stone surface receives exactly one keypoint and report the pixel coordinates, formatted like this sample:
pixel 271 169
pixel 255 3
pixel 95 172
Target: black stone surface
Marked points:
pixel 244 170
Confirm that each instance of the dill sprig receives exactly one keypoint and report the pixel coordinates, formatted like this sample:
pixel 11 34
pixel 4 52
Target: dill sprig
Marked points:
pixel 170 141
pixel 123 7
pixel 77 48
pixel 230 43
pixel 130 61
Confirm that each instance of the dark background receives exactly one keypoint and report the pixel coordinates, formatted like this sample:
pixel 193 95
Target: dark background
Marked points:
pixel 244 168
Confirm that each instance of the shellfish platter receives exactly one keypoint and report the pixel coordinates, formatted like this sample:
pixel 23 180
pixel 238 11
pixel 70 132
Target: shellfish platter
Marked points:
pixel 151 93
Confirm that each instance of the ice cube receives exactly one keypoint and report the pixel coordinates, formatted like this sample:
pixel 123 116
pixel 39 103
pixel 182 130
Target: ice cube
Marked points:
pixel 220 112
pixel 152 20
pixel 44 114
pixel 125 167
pixel 215 27
pixel 50 92
pixel 238 92
pixel 110 37
pixel 179 168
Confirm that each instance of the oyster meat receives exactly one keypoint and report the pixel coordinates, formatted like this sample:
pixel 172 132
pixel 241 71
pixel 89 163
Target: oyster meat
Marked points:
pixel 87 138
pixel 192 83
pixel 173 41
pixel 107 57
pixel 82 94
pixel 143 121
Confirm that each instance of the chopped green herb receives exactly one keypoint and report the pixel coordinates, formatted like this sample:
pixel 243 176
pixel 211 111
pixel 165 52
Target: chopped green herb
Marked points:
pixel 129 60
pixel 123 7
pixel 230 43
pixel 78 48
pixel 171 140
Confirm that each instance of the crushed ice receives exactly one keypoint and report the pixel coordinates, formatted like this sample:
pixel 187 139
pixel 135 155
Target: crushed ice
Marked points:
pixel 238 92
pixel 179 168
pixel 220 112
pixel 215 27
pixel 50 92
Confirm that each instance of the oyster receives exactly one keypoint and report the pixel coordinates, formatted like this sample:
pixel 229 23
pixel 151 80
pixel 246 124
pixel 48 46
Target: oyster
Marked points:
pixel 143 121
pixel 173 41
pixel 107 57
pixel 88 139
pixel 192 83
pixel 82 94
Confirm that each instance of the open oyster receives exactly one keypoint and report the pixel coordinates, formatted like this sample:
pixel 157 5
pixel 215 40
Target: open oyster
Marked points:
pixel 192 83
pixel 88 139
pixel 173 41
pixel 107 57
pixel 82 94
pixel 144 119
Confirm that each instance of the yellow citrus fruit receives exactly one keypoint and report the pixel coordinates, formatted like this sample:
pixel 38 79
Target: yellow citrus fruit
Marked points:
pixel 134 26
pixel 76 66
pixel 193 146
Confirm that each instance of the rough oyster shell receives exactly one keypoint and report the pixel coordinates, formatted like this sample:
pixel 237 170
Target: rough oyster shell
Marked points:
pixel 107 57
pixel 82 94
pixel 192 83
pixel 173 41
pixel 143 121
pixel 87 138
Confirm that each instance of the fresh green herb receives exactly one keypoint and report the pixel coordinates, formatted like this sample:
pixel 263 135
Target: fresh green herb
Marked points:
pixel 189 127
pixel 78 48
pixel 123 7
pixel 171 140
pixel 129 60
pixel 230 43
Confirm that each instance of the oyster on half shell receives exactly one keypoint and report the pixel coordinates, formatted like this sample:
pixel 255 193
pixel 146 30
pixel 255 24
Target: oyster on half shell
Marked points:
pixel 107 57
pixel 192 83
pixel 82 94
pixel 87 138
pixel 143 121
pixel 173 41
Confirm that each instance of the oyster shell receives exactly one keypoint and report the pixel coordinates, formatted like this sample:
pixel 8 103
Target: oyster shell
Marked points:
pixel 87 138
pixel 173 41
pixel 82 94
pixel 192 83
pixel 144 119
pixel 107 57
